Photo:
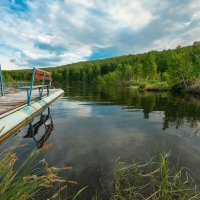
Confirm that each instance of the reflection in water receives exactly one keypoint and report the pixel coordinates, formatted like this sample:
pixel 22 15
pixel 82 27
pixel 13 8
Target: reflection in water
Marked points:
pixel 34 129
pixel 176 110
pixel 97 125
pixel 94 126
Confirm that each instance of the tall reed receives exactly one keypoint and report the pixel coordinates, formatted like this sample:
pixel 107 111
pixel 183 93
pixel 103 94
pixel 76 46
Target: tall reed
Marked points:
pixel 157 179
pixel 29 181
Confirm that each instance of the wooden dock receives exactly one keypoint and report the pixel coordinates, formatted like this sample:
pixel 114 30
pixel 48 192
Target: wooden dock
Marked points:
pixel 20 107
pixel 16 100
pixel 15 112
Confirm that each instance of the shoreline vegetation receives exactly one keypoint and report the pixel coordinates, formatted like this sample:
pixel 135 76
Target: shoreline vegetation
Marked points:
pixel 177 70
pixel 30 178
pixel 157 178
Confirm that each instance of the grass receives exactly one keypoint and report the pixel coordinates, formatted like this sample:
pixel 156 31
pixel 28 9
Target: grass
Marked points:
pixel 154 180
pixel 29 181
pixel 194 88
pixel 156 86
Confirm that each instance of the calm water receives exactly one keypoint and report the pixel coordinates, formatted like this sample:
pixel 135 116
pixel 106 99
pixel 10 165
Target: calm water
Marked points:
pixel 95 126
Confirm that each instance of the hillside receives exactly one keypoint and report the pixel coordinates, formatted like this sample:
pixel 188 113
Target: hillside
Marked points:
pixel 162 69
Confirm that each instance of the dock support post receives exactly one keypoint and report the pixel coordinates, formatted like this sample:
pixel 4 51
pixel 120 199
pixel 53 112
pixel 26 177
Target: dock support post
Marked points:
pixel 31 130
pixel 48 87
pixel 43 82
pixel 31 88
pixel 1 82
pixel 49 114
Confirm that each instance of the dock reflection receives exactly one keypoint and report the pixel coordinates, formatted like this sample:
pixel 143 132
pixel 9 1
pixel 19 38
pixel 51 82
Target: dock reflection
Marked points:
pixel 33 130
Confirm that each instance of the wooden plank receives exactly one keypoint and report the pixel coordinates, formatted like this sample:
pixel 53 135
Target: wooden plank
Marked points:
pixel 33 87
pixel 12 101
pixel 11 122
pixel 39 71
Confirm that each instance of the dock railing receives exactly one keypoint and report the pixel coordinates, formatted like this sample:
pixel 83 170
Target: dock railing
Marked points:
pixel 1 83
pixel 39 75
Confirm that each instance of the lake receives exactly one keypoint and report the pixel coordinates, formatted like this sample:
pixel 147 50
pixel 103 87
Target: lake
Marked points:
pixel 93 126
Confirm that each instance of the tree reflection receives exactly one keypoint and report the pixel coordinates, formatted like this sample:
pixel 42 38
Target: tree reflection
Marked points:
pixel 176 109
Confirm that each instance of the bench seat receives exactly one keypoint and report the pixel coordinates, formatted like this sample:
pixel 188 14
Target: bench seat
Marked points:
pixel 33 87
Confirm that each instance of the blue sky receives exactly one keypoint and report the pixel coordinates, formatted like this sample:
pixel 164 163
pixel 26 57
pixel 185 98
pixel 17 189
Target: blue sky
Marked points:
pixel 56 32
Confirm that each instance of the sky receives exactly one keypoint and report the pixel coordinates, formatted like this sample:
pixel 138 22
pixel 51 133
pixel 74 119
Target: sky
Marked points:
pixel 36 33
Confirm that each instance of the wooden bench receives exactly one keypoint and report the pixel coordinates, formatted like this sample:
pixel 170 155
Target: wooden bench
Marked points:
pixel 39 75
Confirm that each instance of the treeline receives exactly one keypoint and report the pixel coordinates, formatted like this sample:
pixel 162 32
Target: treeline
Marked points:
pixel 180 65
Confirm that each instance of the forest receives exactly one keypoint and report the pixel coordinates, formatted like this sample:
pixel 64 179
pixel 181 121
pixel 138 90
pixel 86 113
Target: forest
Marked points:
pixel 154 70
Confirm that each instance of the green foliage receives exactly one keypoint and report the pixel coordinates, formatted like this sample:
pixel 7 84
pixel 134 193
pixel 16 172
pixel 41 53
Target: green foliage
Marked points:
pixel 149 69
pixel 180 65
pixel 181 69
pixel 155 179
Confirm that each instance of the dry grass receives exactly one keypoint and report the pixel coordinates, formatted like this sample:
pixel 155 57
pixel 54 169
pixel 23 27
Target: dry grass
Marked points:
pixel 27 182
pixel 195 88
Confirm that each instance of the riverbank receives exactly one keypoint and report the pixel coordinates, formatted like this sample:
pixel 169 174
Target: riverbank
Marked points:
pixel 153 86
pixel 158 86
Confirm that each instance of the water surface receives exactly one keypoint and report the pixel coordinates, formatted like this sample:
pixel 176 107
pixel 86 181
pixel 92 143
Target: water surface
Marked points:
pixel 94 126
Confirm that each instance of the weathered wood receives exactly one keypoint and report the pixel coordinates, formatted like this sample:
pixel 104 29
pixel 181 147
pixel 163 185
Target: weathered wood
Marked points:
pixel 33 87
pixel 15 100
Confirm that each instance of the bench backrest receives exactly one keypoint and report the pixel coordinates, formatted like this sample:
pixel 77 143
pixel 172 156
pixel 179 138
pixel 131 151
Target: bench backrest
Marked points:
pixel 42 75
pixel 1 83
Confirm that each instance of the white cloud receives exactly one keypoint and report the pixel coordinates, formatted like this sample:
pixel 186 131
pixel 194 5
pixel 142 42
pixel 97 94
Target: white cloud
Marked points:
pixel 56 32
pixel 129 14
